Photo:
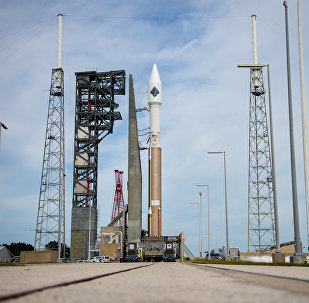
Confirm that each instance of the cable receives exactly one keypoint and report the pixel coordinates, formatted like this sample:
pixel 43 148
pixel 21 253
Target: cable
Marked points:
pixel 142 93
pixel 140 130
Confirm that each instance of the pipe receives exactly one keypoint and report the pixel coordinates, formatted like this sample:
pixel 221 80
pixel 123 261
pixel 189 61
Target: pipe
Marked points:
pixel 254 46
pixel 59 39
pixel 59 50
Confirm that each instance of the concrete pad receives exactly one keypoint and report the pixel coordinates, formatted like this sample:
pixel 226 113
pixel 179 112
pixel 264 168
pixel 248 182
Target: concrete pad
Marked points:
pixel 278 258
pixel 161 282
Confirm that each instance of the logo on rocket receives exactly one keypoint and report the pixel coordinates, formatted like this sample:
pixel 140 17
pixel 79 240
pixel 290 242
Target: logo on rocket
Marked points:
pixel 154 91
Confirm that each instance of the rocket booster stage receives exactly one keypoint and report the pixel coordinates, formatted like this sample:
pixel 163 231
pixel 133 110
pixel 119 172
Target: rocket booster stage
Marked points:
pixel 154 102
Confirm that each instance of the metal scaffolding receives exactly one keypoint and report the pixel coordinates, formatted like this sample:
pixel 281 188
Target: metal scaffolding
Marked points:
pixel 50 226
pixel 261 224
pixel 94 120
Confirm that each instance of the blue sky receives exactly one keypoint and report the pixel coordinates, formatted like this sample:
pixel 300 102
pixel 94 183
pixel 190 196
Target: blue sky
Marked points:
pixel 196 46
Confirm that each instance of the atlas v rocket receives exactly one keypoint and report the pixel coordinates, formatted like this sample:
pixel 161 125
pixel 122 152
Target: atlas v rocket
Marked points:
pixel 154 102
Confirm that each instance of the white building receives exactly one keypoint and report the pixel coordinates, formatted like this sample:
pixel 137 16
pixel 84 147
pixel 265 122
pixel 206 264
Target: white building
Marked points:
pixel 5 255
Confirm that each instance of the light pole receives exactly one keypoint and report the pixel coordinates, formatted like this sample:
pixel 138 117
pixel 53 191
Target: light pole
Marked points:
pixel 272 148
pixel 226 212
pixel 206 185
pixel 4 126
pixel 298 253
pixel 89 233
pixel 199 224
pixel 304 112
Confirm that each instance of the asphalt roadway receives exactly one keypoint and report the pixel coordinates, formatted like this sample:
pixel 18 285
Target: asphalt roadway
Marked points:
pixel 155 282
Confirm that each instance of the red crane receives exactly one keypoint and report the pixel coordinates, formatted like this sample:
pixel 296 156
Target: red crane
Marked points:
pixel 118 198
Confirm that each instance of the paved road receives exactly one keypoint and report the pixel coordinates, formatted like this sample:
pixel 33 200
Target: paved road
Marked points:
pixel 160 282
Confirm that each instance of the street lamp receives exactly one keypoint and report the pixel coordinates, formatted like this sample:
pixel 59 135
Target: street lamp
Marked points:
pixel 226 215
pixel 303 112
pixel 206 185
pixel 298 253
pixel 199 225
pixel 272 149
pixel 4 126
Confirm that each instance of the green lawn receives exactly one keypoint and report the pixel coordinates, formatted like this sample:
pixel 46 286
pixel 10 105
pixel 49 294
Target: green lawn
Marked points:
pixel 206 261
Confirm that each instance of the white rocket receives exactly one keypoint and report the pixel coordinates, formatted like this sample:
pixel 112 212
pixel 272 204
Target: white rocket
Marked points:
pixel 154 102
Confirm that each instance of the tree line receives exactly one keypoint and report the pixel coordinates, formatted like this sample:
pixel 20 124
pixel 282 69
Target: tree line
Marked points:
pixel 16 248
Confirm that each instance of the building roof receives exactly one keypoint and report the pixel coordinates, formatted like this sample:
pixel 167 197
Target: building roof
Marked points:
pixel 2 248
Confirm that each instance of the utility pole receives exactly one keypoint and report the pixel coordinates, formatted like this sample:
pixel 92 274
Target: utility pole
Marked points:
pixel 304 113
pixel 225 195
pixel 298 255
pixel 206 185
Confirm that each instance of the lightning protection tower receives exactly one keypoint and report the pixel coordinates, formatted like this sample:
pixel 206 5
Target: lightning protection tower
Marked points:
pixel 261 224
pixel 50 225
pixel 118 205
pixel 94 120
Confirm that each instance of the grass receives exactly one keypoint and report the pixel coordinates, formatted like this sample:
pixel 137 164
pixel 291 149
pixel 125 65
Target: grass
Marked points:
pixel 215 261
pixel 29 263
pixel 12 264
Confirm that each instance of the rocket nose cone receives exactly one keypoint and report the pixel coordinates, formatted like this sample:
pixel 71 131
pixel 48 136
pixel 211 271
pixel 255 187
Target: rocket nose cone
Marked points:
pixel 154 76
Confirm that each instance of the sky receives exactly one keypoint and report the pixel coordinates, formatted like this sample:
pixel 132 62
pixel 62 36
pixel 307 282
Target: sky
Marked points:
pixel 196 46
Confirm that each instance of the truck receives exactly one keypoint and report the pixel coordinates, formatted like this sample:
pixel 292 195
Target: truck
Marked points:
pixel 220 253
pixel 134 253
pixel 169 254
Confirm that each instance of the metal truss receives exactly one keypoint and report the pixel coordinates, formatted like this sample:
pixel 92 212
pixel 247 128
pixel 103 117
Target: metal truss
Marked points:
pixel 50 226
pixel 118 204
pixel 261 225
pixel 94 120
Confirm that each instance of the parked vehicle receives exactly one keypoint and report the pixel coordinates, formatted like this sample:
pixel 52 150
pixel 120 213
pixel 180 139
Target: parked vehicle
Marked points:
pixel 81 260
pixel 96 259
pixel 65 260
pixel 105 259
pixel 234 253
pixel 219 256
pixel 169 253
pixel 220 253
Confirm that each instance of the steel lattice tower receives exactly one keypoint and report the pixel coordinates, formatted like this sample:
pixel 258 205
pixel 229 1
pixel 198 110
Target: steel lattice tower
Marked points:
pixel 94 120
pixel 50 224
pixel 51 215
pixel 261 223
pixel 261 220
pixel 118 205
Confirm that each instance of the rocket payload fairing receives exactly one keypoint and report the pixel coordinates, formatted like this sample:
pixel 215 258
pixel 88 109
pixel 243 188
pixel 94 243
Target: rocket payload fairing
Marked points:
pixel 154 102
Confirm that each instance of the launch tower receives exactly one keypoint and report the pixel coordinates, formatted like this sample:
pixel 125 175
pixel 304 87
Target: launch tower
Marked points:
pixel 94 120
